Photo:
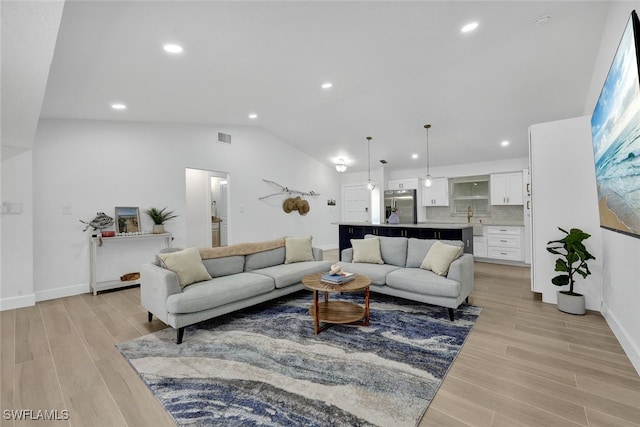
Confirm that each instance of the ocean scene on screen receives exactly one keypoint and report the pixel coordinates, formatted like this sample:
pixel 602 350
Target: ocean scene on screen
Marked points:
pixel 615 127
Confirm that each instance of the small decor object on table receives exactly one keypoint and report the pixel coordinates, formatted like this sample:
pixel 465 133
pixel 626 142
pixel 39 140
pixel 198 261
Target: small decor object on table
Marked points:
pixel 159 217
pixel 336 276
pixel 393 217
pixel 573 259
pixel 129 277
pixel 100 222
pixel 127 219
pixel 337 279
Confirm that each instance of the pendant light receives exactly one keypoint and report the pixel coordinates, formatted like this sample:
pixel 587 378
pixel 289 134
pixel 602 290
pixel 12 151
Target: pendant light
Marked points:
pixel 341 166
pixel 370 185
pixel 427 178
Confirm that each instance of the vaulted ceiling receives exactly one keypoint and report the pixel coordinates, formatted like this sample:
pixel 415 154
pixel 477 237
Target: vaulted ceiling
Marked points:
pixel 394 66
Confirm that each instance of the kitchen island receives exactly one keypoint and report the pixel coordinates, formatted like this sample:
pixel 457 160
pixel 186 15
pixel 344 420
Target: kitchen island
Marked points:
pixel 357 230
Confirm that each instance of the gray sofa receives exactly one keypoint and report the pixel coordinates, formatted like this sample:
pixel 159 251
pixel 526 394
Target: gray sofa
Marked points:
pixel 238 281
pixel 401 275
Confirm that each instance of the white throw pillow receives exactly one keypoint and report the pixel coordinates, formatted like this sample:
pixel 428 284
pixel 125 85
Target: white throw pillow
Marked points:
pixel 440 257
pixel 298 249
pixel 187 265
pixel 366 251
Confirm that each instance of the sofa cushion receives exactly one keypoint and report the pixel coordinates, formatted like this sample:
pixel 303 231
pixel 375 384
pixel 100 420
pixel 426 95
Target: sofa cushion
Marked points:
pixel 218 292
pixel 376 272
pixel 392 249
pixel 440 257
pixel 423 282
pixel 285 275
pixel 417 249
pixel 187 265
pixel 367 251
pixel 264 259
pixel 224 266
pixel 297 249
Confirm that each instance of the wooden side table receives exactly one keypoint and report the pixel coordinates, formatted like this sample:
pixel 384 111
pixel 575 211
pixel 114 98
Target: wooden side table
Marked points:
pixel 335 311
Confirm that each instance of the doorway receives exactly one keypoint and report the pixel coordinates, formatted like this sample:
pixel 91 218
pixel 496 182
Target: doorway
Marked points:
pixel 207 194
pixel 356 202
pixel 219 219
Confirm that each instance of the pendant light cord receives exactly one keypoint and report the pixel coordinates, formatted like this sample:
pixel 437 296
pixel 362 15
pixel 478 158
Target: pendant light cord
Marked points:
pixel 369 158
pixel 427 126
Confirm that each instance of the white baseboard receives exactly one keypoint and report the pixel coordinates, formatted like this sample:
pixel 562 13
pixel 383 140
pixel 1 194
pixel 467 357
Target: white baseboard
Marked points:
pixel 66 291
pixel 630 347
pixel 17 302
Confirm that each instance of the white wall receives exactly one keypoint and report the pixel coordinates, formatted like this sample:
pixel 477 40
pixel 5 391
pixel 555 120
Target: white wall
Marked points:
pixel 621 263
pixel 93 166
pixel 16 286
pixel 563 194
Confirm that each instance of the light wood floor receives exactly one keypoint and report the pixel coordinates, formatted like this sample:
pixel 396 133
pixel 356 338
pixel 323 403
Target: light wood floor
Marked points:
pixel 524 364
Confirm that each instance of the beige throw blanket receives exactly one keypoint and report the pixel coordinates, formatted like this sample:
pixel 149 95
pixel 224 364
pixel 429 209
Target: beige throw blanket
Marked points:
pixel 240 249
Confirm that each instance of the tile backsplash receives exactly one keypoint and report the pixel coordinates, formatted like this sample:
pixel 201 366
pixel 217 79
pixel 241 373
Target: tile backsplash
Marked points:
pixel 499 214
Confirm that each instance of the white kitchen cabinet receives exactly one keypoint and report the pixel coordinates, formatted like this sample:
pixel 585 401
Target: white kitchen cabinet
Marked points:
pixel 506 188
pixel 403 184
pixel 480 246
pixel 437 194
pixel 504 243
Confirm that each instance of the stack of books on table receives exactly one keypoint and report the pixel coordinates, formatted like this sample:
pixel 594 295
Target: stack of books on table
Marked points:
pixel 337 279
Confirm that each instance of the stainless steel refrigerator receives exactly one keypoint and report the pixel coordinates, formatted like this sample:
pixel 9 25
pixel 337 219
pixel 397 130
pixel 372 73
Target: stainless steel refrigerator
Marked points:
pixel 405 203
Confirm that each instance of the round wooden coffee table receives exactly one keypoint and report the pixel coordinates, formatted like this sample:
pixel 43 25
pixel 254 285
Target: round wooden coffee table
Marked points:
pixel 336 311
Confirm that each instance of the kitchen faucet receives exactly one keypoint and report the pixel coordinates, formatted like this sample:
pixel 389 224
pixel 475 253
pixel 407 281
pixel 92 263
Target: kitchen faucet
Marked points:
pixel 469 214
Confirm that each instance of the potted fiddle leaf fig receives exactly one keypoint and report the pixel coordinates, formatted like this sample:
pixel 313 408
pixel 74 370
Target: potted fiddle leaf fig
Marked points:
pixel 159 217
pixel 573 260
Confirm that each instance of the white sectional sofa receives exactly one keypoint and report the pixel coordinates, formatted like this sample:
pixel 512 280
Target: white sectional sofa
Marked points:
pixel 240 276
pixel 401 274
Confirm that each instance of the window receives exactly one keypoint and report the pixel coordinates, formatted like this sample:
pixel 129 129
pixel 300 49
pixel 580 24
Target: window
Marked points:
pixel 470 192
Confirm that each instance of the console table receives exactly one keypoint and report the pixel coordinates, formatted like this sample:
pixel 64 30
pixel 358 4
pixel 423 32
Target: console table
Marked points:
pixel 95 244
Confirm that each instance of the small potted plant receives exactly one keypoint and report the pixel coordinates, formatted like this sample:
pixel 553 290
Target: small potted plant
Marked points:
pixel 573 259
pixel 159 217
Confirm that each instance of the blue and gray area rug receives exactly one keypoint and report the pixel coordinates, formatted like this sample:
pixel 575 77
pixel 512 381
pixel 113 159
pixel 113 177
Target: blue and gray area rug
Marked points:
pixel 264 366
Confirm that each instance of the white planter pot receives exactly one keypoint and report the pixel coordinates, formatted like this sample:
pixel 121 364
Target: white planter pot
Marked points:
pixel 572 304
pixel 158 228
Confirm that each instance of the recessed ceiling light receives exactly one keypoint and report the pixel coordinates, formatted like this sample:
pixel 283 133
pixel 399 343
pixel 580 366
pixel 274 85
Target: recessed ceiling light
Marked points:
pixel 504 143
pixel 414 156
pixel 469 27
pixel 172 48
pixel 327 85
pixel 253 116
pixel 118 106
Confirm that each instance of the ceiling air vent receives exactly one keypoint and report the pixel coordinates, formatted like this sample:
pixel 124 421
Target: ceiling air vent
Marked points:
pixel 224 137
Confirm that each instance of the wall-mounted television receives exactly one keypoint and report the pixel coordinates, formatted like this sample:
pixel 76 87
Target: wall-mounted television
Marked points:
pixel 615 131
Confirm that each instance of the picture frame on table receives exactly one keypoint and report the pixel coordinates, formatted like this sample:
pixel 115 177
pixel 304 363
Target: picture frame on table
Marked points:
pixel 127 219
